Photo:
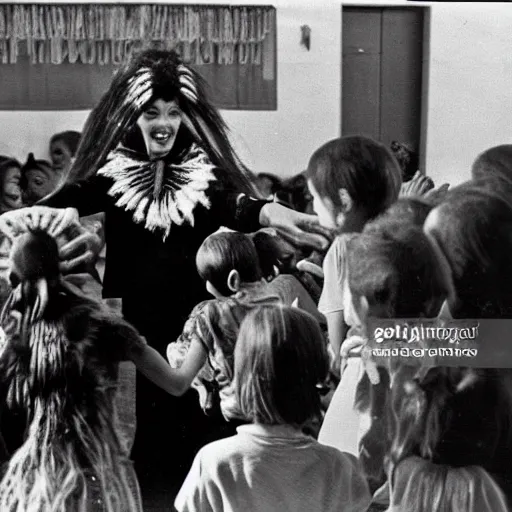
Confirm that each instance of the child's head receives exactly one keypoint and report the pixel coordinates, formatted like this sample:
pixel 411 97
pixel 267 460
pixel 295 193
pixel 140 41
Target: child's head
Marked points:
pixel 352 180
pixel 495 162
pixel 280 359
pixel 39 179
pixel 10 184
pixel 225 261
pixel 267 184
pixel 274 253
pixel 63 147
pixel 393 271
pixel 473 231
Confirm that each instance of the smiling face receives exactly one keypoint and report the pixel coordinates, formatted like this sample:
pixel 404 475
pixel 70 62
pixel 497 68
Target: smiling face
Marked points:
pixel 159 124
pixel 11 193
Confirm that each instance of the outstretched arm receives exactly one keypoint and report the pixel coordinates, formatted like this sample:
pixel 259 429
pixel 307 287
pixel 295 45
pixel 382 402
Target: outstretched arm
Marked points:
pixel 243 213
pixel 120 341
pixel 175 381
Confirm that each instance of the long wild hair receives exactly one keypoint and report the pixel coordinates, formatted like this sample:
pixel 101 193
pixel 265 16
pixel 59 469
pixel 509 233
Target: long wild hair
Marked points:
pixel 57 369
pixel 151 75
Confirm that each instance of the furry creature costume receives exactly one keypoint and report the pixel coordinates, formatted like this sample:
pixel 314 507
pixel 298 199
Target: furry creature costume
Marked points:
pixel 58 363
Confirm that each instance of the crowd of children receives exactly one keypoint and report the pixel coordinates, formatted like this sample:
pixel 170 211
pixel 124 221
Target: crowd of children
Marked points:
pixel 423 437
pixel 304 420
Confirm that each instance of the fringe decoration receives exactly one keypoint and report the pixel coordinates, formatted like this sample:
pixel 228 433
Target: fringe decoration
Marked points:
pixel 182 188
pixel 104 34
pixel 72 454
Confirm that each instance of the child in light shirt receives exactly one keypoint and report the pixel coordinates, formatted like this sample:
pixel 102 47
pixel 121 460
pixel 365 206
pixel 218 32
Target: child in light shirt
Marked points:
pixel 270 464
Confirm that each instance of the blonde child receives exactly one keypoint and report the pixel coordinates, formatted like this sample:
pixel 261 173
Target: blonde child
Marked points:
pixel 270 464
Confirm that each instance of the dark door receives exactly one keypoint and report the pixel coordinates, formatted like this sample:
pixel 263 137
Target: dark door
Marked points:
pixel 382 73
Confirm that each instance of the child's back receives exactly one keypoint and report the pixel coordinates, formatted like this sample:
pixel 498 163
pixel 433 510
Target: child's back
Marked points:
pixel 268 468
pixel 215 323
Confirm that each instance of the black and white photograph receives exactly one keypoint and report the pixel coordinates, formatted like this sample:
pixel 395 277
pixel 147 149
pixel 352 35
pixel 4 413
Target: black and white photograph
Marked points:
pixel 255 256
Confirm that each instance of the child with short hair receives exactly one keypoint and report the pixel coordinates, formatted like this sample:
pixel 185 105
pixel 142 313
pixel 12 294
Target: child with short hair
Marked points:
pixel 202 356
pixel 270 465
pixel 352 180
pixel 278 262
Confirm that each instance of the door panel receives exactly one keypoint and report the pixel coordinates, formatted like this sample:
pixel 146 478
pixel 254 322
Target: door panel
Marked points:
pixel 402 41
pixel 382 73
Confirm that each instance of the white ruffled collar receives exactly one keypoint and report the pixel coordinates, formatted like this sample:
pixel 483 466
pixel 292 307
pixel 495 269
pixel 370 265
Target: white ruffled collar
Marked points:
pixel 159 194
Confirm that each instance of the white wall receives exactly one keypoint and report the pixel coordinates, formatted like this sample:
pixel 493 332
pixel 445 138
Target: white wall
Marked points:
pixel 469 103
pixel 470 86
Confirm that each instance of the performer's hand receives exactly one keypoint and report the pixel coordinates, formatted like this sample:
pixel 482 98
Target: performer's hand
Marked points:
pixel 77 245
pixel 300 229
pixel 52 220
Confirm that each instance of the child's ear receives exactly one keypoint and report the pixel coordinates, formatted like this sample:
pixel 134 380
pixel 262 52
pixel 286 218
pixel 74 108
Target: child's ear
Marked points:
pixel 234 281
pixel 346 201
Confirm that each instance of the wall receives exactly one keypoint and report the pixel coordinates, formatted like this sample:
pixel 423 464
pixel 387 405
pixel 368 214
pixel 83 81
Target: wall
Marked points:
pixel 470 86
pixel 469 83
pixel 280 141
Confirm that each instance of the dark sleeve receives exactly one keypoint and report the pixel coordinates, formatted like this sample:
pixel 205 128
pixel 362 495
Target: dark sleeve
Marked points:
pixel 235 210
pixel 88 197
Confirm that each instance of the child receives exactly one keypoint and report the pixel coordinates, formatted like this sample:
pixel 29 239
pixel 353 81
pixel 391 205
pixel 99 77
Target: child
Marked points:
pixel 63 147
pixel 352 180
pixel 494 163
pixel 270 465
pixel 39 179
pixel 473 231
pixel 434 463
pixel 229 265
pixel 59 365
pixel 393 272
pixel 278 263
